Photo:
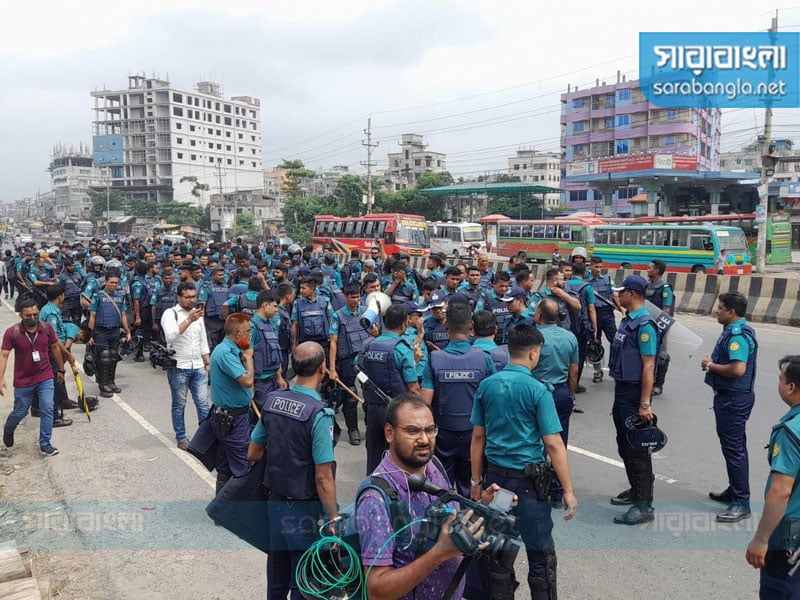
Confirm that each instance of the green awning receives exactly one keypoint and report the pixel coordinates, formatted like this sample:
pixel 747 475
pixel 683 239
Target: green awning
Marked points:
pixel 465 189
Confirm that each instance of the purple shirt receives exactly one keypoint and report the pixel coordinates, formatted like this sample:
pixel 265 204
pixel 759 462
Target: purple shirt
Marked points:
pixel 28 373
pixel 374 528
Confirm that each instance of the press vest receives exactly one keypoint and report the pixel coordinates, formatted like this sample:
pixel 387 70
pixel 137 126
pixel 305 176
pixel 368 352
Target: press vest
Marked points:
pixel 377 360
pixel 746 382
pixel 108 309
pixel 436 333
pixel 625 363
pixel 267 352
pixel 217 295
pixel 312 320
pixel 288 418
pixel 456 378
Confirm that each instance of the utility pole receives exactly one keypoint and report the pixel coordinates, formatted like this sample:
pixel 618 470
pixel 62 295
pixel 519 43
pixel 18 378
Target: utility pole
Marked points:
pixel 220 175
pixel 767 162
pixel 369 164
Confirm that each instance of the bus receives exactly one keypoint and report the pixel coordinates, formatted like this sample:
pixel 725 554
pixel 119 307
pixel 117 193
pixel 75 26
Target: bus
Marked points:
pixel 536 240
pixel 779 231
pixel 399 232
pixel 685 248
pixel 84 229
pixel 623 243
pixel 456 239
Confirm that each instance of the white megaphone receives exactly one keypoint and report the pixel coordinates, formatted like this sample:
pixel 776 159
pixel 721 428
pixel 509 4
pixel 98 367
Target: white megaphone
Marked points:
pixel 377 305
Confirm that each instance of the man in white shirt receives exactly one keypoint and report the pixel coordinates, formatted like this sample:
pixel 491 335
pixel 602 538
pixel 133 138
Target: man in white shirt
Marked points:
pixel 185 332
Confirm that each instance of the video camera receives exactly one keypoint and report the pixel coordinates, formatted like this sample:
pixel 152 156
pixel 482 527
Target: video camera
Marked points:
pixel 161 356
pixel 500 532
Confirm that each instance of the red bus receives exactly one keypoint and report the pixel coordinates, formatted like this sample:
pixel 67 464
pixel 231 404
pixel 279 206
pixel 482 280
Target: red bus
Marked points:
pixel 399 232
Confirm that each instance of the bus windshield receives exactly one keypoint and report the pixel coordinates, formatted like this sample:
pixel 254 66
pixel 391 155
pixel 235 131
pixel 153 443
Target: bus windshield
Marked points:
pixel 413 234
pixel 731 240
pixel 473 234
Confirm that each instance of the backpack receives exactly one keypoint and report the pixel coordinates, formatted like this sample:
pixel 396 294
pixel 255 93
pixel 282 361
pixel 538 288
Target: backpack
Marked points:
pixel 580 324
pixel 398 511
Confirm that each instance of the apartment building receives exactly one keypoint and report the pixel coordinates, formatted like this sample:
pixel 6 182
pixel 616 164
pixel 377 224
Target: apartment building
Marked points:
pixel 72 173
pixel 413 160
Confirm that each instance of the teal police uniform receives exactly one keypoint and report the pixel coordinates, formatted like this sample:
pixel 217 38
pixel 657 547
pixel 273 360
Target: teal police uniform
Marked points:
pixel 559 351
pixel 517 411
pixel 411 337
pixel 499 354
pixel 783 456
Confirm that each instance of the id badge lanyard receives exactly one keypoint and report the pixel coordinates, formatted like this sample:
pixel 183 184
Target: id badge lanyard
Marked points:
pixel 35 352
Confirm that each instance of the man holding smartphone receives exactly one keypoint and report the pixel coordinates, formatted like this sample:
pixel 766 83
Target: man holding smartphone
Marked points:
pixel 185 332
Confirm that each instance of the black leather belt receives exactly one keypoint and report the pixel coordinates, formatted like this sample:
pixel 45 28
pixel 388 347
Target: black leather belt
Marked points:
pixel 513 473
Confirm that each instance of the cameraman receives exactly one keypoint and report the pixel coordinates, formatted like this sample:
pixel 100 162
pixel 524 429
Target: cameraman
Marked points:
pixel 395 570
pixel 185 332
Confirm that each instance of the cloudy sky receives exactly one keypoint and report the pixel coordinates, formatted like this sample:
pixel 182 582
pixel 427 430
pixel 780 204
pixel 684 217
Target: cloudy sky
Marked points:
pixel 478 79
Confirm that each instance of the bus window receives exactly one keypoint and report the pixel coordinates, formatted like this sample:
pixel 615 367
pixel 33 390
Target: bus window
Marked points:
pixel 701 243
pixel 504 231
pixel 616 237
pixel 680 238
pixel 646 237
pixel 348 227
pixel 660 237
pixel 381 227
pixel 515 230
pixel 576 235
pixel 538 232
pixel 564 232
pixel 369 228
pixel 359 232
pixel 526 231
pixel 389 238
pixel 455 234
pixel 630 238
pixel 339 227
pixel 550 232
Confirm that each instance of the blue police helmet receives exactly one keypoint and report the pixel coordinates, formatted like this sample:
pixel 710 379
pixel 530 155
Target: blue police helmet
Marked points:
pixel 595 351
pixel 645 435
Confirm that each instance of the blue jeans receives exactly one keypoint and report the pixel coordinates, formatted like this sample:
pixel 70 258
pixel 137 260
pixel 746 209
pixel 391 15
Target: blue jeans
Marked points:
pixel 23 397
pixel 181 381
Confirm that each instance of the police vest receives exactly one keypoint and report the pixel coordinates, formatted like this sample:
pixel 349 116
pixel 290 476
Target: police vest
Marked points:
pixel 236 289
pixel 499 357
pixel 654 294
pixel 217 295
pixel 312 320
pixel 602 288
pixel 288 418
pixel 487 279
pixel 402 294
pixel 329 273
pixel 352 338
pixel 456 378
pixel 108 309
pixel 285 331
pixel 72 283
pixel 743 384
pixel 246 305
pixel 377 360
pixel 267 352
pixel 93 282
pixel 500 311
pixel 471 295
pixel 436 333
pixel 166 297
pixel 42 274
pixel 625 363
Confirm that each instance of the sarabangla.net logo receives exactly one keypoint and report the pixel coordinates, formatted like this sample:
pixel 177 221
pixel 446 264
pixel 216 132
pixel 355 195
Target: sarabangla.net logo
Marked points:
pixel 705 70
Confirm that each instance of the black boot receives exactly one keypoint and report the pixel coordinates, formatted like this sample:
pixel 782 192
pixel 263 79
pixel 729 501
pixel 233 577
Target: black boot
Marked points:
pixel 102 379
pixel 221 481
pixel 112 378
pixel 350 412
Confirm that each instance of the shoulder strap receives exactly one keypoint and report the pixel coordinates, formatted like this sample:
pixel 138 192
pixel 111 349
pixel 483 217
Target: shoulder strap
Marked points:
pixel 15 334
pixel 114 304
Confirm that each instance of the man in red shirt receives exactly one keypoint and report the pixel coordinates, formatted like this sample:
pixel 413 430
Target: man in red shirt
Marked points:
pixel 32 342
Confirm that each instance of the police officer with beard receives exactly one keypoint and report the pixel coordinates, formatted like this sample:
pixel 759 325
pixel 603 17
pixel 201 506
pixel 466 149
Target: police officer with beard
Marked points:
pixel 214 295
pixel 297 430
pixel 632 365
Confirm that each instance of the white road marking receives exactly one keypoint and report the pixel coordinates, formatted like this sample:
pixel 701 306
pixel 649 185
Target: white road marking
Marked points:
pixel 613 462
pixel 187 458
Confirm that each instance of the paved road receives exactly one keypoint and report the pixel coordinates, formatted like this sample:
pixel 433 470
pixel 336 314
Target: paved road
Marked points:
pixel 124 465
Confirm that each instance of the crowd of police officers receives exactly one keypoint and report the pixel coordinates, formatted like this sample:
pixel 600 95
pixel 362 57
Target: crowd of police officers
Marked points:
pixel 446 331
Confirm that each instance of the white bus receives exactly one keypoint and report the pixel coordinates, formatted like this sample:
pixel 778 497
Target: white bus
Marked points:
pixel 456 239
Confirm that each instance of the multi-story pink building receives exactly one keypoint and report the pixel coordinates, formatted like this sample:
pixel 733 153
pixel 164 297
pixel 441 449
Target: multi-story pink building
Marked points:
pixel 606 123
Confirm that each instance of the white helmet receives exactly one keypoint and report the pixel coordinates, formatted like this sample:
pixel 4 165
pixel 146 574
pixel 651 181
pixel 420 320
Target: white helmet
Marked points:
pixel 579 251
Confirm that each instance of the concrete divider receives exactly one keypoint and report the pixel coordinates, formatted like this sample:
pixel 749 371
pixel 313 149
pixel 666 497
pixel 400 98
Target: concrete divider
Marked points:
pixel 769 299
pixel 695 292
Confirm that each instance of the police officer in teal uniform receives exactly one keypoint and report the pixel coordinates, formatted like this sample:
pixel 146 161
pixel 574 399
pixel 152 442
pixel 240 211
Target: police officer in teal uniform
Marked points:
pixel 492 301
pixel 107 314
pixel 778 532
pixel 436 336
pixel 517 301
pixel 267 356
pixel 605 305
pixel 515 426
pixel 632 366
pixel 731 373
pixel 558 361
pixel 348 339
pixel 449 385
pixel 214 294
pixel 246 302
pixel 660 293
pixel 415 333
pixel 484 327
pixel 311 315
pixel 390 363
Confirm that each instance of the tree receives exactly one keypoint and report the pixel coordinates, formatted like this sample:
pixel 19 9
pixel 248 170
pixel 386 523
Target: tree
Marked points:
pixel 197 188
pixel 116 201
pixel 517 206
pixel 180 212
pixel 244 224
pixel 429 179
pixel 298 217
pixel 409 201
pixel 346 200
pixel 295 171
